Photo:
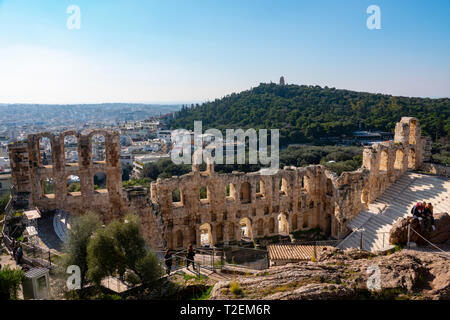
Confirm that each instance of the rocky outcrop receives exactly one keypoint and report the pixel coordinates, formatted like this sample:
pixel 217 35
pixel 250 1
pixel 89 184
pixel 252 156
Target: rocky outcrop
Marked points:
pixel 399 231
pixel 344 275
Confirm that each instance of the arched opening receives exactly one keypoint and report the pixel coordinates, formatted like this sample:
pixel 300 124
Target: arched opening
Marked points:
pixel 245 192
pixel 398 165
pixel 230 192
pixel 246 229
pixel 204 194
pixel 271 225
pixel 328 225
pixel 412 132
pixel 98 148
pixel 219 232
pixel 412 159
pixel 48 188
pixel 260 227
pixel 307 184
pixel 45 151
pixel 383 161
pixel 231 235
pixel 73 185
pixel 294 222
pixel 260 191
pixel 329 187
pixel 100 183
pixel 283 224
pixel 206 235
pixel 177 197
pixel 283 187
pixel 305 221
pixel 179 239
pixel 193 236
pixel 71 150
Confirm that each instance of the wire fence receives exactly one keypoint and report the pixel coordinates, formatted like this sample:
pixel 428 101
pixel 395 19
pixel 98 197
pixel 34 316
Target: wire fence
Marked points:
pixel 439 250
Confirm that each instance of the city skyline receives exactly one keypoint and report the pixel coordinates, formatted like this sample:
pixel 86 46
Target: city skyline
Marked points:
pixel 194 51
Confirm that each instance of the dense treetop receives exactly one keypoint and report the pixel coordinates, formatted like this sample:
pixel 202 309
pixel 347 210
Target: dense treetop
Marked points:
pixel 306 113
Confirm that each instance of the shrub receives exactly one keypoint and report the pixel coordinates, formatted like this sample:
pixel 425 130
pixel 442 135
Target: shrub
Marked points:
pixel 10 280
pixel 235 288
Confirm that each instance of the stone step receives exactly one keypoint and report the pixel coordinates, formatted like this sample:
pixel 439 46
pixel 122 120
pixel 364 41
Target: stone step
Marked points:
pixel 395 203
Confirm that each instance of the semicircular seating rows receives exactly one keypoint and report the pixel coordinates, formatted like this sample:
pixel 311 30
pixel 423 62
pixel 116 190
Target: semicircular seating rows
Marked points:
pixel 395 203
pixel 61 224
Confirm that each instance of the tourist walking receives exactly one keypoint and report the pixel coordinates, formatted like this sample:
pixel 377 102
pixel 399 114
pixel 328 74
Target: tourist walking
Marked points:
pixel 14 248
pixel 168 261
pixel 19 255
pixel 190 257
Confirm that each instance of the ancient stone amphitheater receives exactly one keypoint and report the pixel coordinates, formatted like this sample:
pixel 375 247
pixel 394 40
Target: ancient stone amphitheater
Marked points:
pixel 368 200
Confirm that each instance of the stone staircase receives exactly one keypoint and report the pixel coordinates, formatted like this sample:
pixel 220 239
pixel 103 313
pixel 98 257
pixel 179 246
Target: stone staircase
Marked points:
pixel 373 225
pixel 61 224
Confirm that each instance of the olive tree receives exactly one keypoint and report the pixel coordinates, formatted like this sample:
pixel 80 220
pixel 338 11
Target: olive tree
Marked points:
pixel 120 249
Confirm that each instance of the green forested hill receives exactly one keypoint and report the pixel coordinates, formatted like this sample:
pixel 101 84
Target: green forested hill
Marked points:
pixel 306 113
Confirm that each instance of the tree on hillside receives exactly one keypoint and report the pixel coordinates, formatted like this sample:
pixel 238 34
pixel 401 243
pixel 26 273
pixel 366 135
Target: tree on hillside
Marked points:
pixel 119 249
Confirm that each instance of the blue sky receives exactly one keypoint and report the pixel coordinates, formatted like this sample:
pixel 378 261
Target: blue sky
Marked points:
pixel 197 50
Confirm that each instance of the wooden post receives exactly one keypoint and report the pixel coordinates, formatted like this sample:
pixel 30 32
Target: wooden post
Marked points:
pixel 409 231
pixel 361 241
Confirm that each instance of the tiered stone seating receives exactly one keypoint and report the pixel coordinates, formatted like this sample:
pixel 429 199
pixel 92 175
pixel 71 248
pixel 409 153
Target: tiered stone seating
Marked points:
pixel 60 225
pixel 395 203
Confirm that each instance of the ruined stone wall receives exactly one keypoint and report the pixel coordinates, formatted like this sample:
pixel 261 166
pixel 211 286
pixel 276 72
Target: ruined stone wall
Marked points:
pixel 302 198
pixel 290 200
pixel 383 164
pixel 28 166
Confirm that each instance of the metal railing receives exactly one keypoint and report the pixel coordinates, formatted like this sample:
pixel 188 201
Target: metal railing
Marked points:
pixel 32 254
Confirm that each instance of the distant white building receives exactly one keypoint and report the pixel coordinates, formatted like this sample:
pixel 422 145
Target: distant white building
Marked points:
pixel 166 135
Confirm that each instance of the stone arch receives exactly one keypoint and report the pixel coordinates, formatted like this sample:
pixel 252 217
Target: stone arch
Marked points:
pixel 177 197
pixel 412 159
pixel 294 222
pixel 246 191
pixel 231 232
pixel 271 225
pixel 98 147
pixel 398 165
pixel 219 232
pixel 45 147
pixel 204 193
pixel 384 160
pixel 48 187
pixel 283 187
pixel 71 156
pixel 260 189
pixel 329 187
pixel 245 226
pixel 100 181
pixel 307 184
pixel 230 192
pixel 206 237
pixel 283 224
pixel 179 239
pixel 73 183
pixel 305 224
pixel 260 227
